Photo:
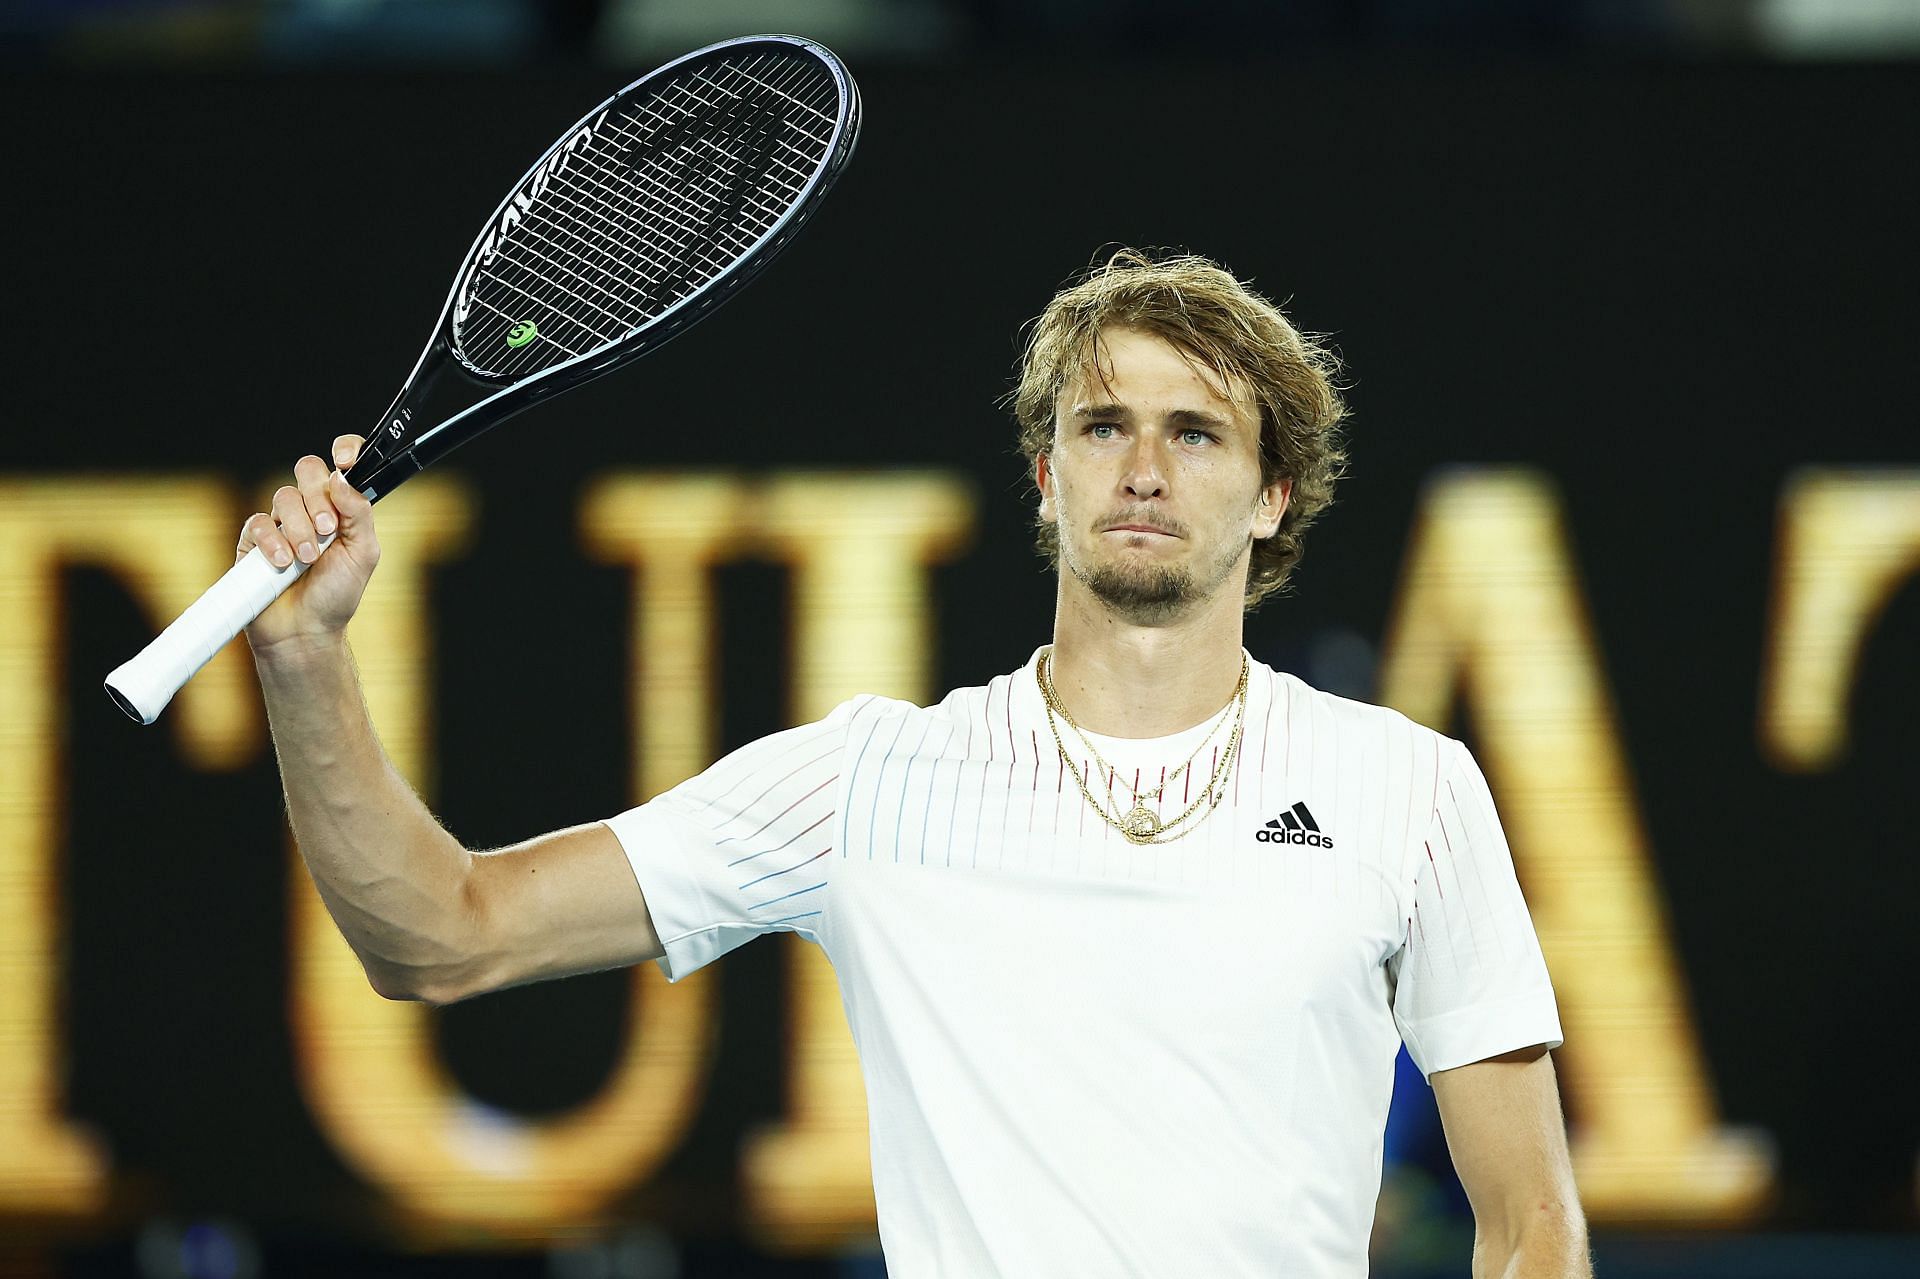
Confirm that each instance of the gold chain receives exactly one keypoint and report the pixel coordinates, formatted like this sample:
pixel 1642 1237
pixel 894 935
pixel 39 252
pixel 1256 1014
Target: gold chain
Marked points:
pixel 1141 797
pixel 1141 825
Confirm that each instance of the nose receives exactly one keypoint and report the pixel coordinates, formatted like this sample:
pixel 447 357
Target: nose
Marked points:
pixel 1145 476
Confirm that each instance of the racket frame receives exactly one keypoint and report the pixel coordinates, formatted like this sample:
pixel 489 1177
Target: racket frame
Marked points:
pixel 394 454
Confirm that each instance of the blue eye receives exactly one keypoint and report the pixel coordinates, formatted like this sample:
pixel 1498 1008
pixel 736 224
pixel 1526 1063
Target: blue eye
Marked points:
pixel 1098 427
pixel 1195 436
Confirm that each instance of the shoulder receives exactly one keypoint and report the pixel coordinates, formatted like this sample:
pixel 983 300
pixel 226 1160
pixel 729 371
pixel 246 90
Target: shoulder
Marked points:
pixel 1349 712
pixel 869 714
pixel 981 719
pixel 1331 721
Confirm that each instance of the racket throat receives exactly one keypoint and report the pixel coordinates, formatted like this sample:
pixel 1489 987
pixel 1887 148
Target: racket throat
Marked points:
pixel 387 459
pixel 378 473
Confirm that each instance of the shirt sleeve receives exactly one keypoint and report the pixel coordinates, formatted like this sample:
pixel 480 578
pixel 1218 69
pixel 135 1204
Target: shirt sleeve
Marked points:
pixel 742 849
pixel 1469 981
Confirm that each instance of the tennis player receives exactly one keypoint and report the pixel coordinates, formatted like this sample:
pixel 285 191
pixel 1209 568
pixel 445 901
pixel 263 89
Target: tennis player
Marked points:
pixel 1128 938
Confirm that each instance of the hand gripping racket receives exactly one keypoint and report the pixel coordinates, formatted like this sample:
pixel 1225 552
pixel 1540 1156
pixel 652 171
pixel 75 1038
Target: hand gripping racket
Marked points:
pixel 651 211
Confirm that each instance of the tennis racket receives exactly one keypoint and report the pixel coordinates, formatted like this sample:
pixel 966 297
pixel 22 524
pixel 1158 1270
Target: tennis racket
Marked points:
pixel 657 206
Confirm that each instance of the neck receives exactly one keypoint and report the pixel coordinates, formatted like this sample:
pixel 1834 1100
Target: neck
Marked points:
pixel 1122 679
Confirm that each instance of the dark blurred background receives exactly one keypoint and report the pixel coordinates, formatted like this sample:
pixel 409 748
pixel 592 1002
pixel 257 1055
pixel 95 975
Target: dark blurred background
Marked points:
pixel 1642 268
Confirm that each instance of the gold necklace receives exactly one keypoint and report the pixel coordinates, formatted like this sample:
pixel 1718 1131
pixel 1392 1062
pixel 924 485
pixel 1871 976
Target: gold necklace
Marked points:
pixel 1053 701
pixel 1140 825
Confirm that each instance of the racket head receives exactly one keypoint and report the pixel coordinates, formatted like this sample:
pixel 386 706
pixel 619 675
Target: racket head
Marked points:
pixel 651 210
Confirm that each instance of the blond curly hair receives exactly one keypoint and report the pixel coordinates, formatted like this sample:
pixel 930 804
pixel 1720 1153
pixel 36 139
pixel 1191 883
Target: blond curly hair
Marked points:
pixel 1201 309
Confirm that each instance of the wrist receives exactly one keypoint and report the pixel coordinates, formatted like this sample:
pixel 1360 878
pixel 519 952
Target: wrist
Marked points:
pixel 291 654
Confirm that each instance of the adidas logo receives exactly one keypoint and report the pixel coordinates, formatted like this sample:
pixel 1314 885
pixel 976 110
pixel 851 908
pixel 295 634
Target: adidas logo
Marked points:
pixel 1295 826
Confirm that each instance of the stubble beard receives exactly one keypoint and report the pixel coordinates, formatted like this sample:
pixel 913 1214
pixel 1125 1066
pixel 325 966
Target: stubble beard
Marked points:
pixel 1148 594
pixel 1144 594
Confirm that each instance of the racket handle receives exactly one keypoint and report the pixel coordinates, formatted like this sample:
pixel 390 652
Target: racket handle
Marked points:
pixel 143 686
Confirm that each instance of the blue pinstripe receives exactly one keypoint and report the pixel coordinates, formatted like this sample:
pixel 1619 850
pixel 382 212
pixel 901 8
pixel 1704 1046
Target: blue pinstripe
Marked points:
pixel 873 813
pixel 763 852
pixel 770 901
pixel 904 779
pixel 927 816
pixel 853 778
pixel 776 874
pixel 986 716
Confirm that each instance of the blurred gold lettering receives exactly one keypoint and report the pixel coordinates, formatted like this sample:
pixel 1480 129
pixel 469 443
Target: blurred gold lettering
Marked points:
pixel 1490 603
pixel 166 540
pixel 1848 539
pixel 674 530
pixel 861 547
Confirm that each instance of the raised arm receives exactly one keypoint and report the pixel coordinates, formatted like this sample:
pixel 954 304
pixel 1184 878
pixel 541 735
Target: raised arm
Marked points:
pixel 429 919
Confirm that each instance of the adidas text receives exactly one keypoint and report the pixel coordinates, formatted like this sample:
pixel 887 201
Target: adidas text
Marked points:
pixel 1315 838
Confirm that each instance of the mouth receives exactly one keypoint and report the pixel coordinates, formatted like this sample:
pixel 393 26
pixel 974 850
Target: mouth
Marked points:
pixel 1139 528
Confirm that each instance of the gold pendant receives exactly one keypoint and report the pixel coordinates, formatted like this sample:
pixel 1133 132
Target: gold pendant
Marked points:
pixel 1140 826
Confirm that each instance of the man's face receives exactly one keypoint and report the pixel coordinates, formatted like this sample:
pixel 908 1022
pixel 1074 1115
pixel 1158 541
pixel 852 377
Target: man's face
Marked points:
pixel 1154 480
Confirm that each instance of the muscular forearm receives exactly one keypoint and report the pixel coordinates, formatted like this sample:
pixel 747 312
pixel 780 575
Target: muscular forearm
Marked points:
pixel 394 879
pixel 1553 1248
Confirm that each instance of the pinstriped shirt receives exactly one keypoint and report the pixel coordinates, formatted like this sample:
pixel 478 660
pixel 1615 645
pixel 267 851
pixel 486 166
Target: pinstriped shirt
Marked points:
pixel 1084 1056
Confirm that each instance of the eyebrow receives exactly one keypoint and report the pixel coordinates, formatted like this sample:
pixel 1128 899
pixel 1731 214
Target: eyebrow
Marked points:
pixel 1179 417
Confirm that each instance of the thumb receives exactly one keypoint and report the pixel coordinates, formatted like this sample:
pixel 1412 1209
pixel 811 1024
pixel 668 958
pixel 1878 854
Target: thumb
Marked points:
pixel 356 512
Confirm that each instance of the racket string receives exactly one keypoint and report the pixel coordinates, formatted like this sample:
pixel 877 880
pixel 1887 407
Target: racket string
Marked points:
pixel 658 188
pixel 656 237
pixel 528 275
pixel 582 252
pixel 525 245
pixel 746 235
pixel 694 214
pixel 673 196
pixel 533 238
pixel 637 236
pixel 486 305
pixel 669 193
pixel 662 197
pixel 613 198
pixel 812 155
pixel 612 266
pixel 542 302
pixel 794 72
pixel 609 222
pixel 717 107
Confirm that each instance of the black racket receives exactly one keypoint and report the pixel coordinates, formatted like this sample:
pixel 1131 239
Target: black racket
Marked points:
pixel 651 211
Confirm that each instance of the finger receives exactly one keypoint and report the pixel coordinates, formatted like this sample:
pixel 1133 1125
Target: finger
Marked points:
pixel 356 512
pixel 290 509
pixel 346 450
pixel 261 531
pixel 310 473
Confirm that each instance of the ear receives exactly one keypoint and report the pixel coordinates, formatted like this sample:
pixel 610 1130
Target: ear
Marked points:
pixel 1043 480
pixel 1274 499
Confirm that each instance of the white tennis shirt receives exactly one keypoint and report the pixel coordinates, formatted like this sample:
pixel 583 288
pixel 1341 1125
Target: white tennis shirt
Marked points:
pixel 1086 1057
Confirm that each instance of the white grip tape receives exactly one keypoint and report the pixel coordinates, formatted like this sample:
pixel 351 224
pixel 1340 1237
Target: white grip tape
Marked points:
pixel 143 686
